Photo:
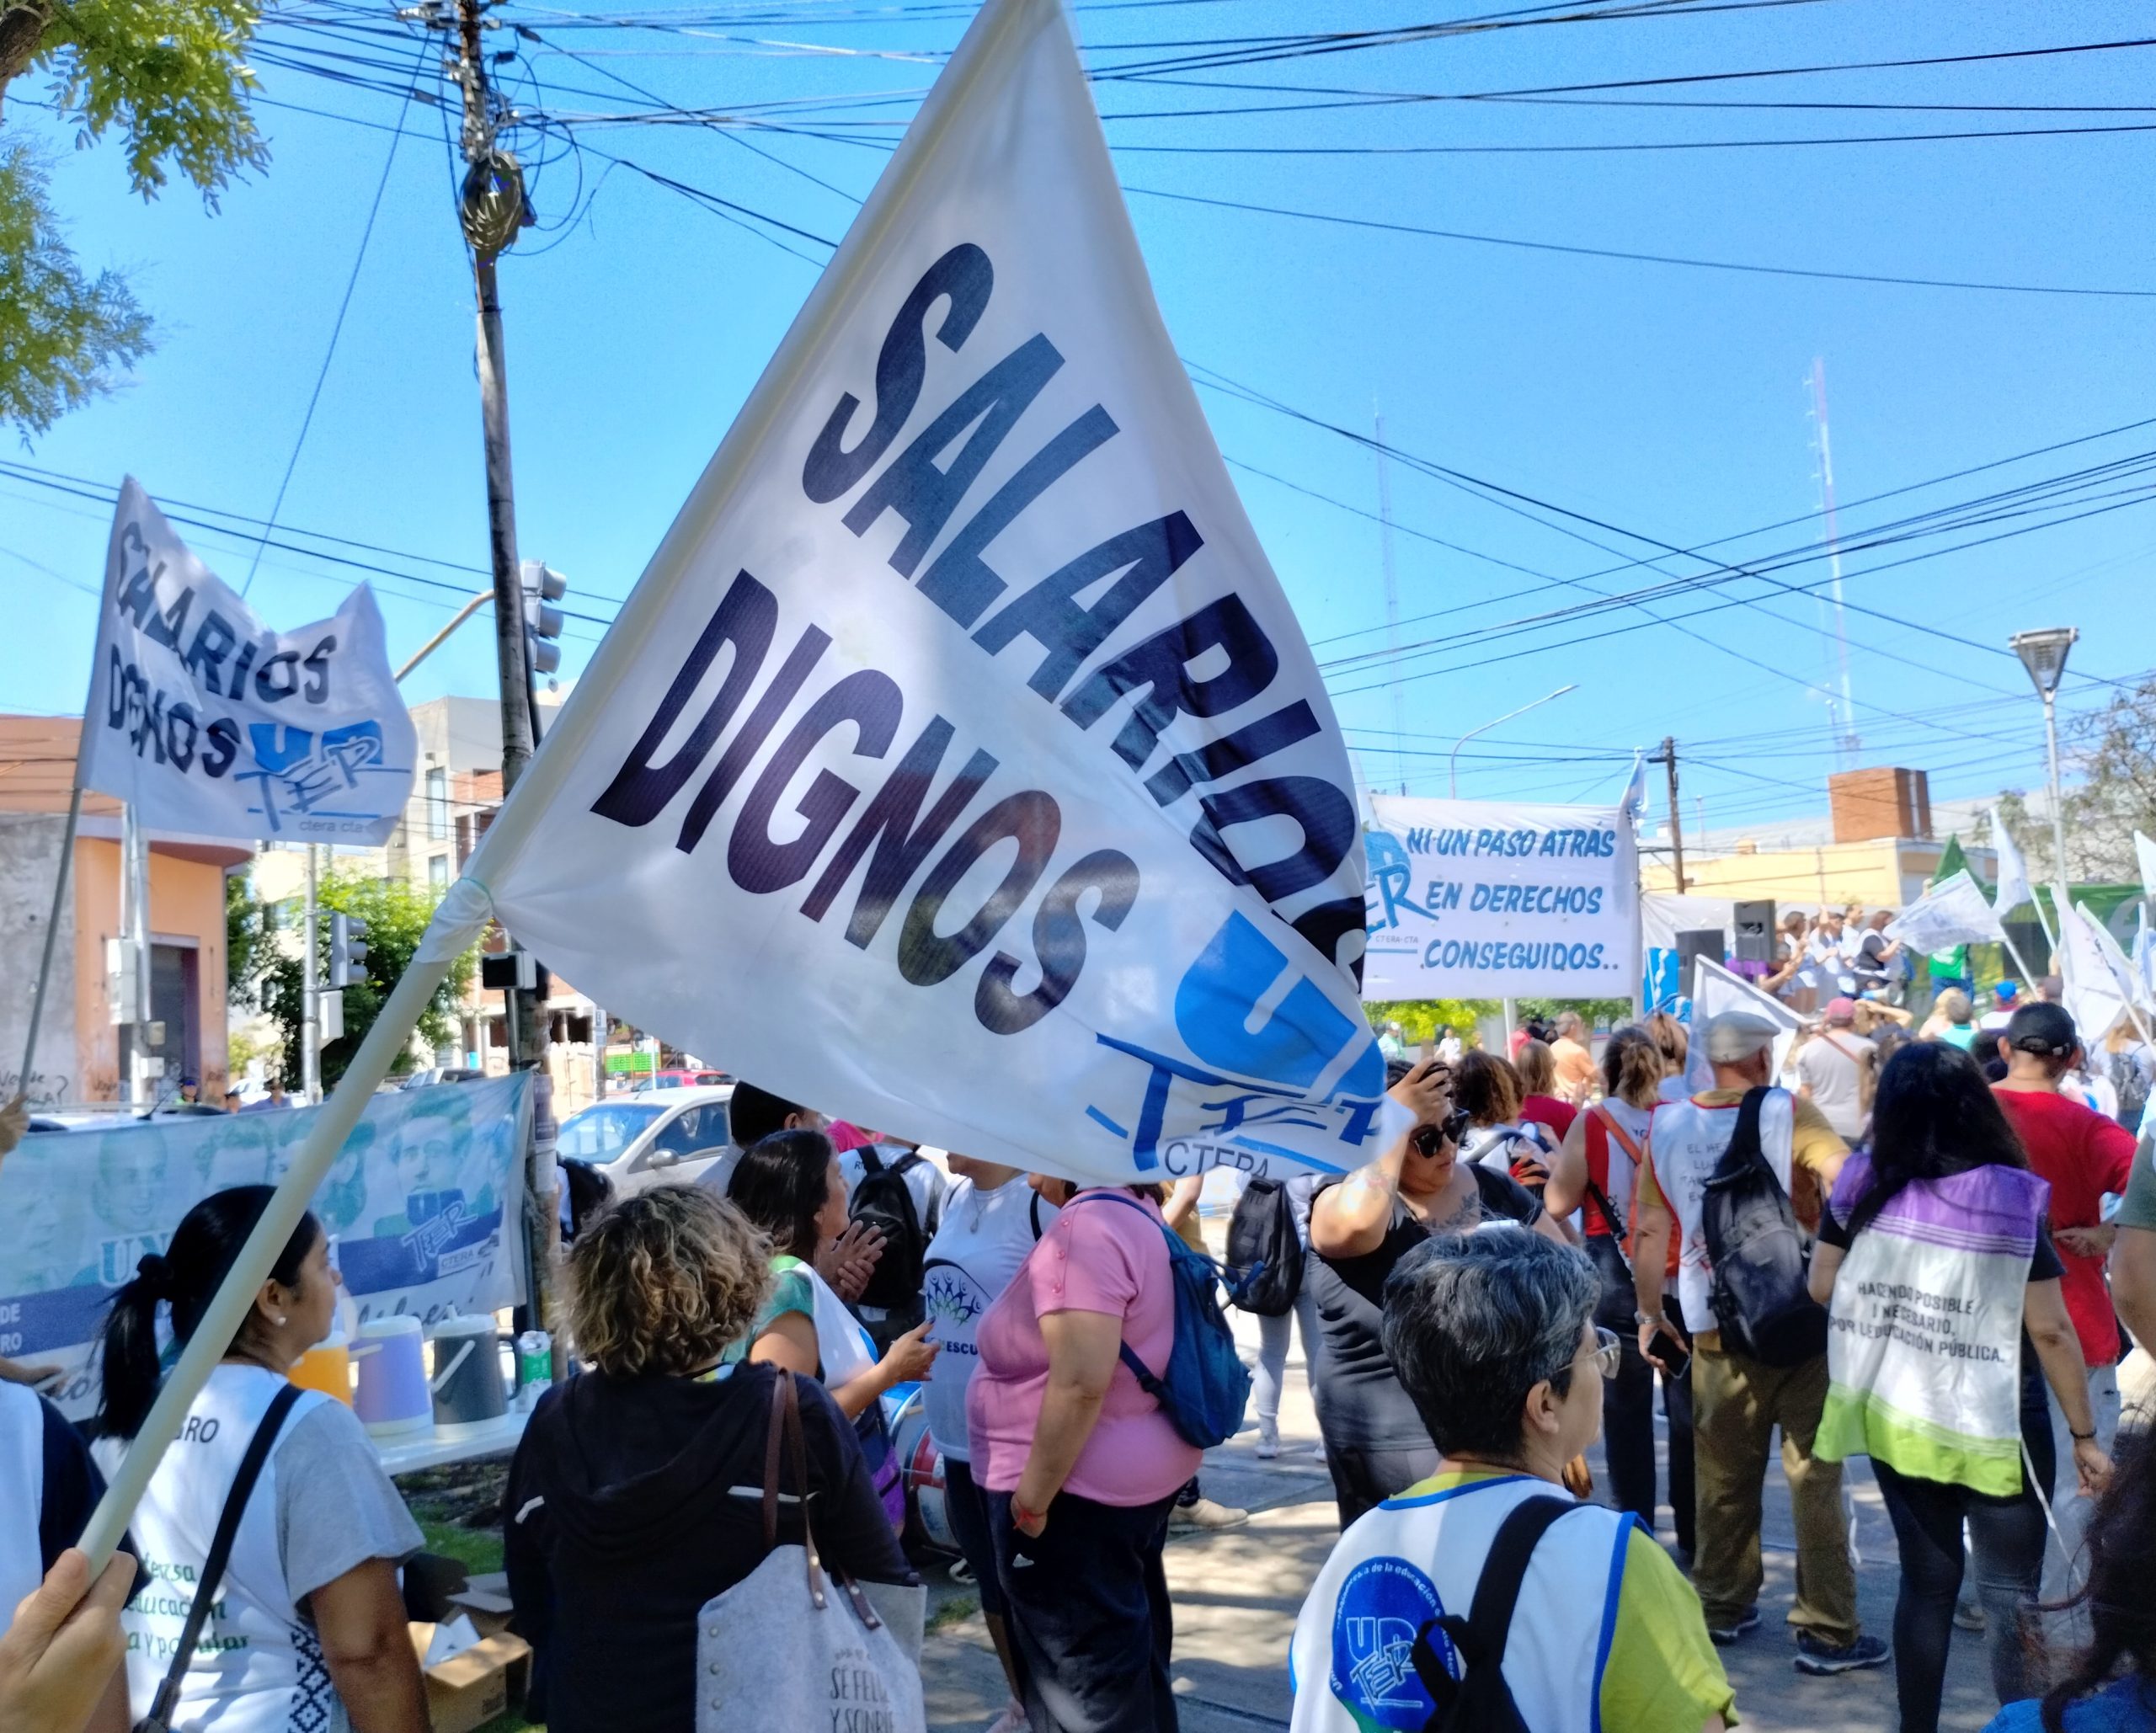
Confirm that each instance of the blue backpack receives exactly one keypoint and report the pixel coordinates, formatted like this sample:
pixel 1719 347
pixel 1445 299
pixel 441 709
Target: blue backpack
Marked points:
pixel 1206 1385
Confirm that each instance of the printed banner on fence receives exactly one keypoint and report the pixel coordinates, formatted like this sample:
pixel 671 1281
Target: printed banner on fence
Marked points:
pixel 422 1199
pixel 961 710
pixel 210 723
pixel 1493 899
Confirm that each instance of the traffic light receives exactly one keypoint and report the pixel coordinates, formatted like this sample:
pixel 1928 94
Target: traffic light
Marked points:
pixel 348 949
pixel 542 623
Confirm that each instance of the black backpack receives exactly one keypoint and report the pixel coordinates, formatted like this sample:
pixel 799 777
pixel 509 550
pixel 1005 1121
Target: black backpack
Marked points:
pixel 1264 1269
pixel 884 1200
pixel 1760 1261
pixel 1480 1701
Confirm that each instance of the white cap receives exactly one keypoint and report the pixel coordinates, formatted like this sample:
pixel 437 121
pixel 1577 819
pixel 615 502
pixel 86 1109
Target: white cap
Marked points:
pixel 1736 1036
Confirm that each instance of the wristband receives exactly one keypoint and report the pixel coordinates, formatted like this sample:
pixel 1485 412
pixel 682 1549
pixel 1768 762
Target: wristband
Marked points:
pixel 1654 1318
pixel 1020 1516
pixel 2089 1438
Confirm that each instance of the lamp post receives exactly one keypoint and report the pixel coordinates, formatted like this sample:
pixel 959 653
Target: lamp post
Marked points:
pixel 1494 722
pixel 2043 654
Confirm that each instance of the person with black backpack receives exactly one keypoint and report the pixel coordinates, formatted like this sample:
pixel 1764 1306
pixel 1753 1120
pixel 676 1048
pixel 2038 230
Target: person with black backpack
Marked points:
pixel 1732 1171
pixel 895 1193
pixel 1486 1598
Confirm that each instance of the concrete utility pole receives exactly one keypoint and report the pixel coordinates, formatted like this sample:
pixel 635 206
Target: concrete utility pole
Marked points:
pixel 491 208
pixel 1667 759
pixel 311 985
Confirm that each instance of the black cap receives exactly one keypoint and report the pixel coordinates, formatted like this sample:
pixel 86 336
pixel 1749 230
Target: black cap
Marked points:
pixel 2044 1029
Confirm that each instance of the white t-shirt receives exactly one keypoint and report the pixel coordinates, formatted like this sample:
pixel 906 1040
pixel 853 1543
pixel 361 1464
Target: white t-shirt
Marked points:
pixel 984 1238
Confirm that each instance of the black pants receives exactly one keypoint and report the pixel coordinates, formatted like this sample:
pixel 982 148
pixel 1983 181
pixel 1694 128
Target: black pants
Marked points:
pixel 1628 1434
pixel 1363 1479
pixel 2008 1539
pixel 966 1507
pixel 1086 1603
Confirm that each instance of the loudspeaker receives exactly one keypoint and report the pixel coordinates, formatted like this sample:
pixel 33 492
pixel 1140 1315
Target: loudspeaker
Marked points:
pixel 1707 943
pixel 1755 931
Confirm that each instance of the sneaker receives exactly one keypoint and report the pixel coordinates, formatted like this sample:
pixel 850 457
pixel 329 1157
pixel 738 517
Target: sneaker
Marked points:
pixel 1205 1513
pixel 1968 1616
pixel 1012 1720
pixel 1723 1635
pixel 1818 1658
pixel 1268 1441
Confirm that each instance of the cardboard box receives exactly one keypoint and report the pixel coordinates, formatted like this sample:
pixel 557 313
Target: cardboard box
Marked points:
pixel 488 1610
pixel 477 1682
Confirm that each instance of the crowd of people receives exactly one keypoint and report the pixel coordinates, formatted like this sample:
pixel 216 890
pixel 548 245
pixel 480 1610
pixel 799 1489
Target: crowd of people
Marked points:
pixel 1923 1246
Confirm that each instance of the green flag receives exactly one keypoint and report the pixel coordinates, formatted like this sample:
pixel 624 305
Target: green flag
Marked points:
pixel 1952 861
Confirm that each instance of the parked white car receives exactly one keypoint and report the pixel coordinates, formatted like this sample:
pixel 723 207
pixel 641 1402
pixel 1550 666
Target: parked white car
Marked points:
pixel 666 1137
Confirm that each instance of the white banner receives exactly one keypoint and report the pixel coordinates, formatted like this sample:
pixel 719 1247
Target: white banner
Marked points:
pixel 1715 990
pixel 423 1200
pixel 1496 899
pixel 2013 888
pixel 1952 911
pixel 2096 997
pixel 2145 855
pixel 957 765
pixel 209 723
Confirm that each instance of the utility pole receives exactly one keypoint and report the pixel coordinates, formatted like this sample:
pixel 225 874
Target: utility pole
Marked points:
pixel 310 987
pixel 491 210
pixel 1667 759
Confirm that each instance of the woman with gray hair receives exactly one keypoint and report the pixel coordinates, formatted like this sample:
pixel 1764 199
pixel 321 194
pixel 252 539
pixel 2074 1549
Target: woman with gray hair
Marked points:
pixel 1494 1335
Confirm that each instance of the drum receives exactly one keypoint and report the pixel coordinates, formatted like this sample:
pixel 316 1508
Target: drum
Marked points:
pixel 920 1465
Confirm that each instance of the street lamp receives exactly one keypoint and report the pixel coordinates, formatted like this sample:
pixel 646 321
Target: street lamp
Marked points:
pixel 2043 654
pixel 1495 722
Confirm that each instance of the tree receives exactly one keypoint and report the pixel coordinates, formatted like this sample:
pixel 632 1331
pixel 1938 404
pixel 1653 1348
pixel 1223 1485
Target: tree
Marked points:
pixel 170 75
pixel 397 913
pixel 2115 749
pixel 250 942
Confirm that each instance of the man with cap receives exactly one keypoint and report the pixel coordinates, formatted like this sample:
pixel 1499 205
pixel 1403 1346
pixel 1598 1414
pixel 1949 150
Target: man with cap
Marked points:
pixel 1835 1068
pixel 1737 1401
pixel 2006 1000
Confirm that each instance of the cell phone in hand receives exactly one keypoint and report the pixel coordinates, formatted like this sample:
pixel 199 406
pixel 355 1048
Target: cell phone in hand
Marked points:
pixel 1675 1358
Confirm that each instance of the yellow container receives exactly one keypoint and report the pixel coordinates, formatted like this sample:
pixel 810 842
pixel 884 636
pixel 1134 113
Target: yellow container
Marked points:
pixel 326 1367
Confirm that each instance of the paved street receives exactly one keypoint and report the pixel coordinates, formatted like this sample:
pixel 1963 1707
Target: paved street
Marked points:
pixel 1237 1593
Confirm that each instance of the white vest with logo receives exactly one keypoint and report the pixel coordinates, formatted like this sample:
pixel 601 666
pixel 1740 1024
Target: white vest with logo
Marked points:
pixel 983 1239
pixel 258 1667
pixel 22 1465
pixel 1686 1141
pixel 1417 1558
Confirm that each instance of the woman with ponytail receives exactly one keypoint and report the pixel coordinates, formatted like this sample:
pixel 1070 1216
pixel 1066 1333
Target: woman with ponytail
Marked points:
pixel 309 1613
pixel 1596 1173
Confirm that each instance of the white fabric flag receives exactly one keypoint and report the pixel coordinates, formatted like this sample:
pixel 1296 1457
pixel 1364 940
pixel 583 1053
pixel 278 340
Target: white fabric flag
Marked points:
pixel 2144 957
pixel 2116 963
pixel 1952 911
pixel 2144 854
pixel 957 765
pixel 2095 998
pixel 207 723
pixel 1716 990
pixel 2013 873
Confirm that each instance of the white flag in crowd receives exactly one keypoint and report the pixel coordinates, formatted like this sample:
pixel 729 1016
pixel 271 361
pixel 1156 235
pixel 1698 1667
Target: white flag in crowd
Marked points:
pixel 208 723
pixel 2095 997
pixel 1952 911
pixel 2144 956
pixel 957 765
pixel 2144 853
pixel 2116 963
pixel 1716 990
pixel 2012 875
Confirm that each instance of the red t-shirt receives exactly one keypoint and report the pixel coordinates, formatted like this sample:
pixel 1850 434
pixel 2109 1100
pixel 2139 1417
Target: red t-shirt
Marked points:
pixel 1548 1110
pixel 2083 1155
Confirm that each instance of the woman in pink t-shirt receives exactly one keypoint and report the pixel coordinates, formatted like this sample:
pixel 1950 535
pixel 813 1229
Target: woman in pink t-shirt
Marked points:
pixel 1080 1465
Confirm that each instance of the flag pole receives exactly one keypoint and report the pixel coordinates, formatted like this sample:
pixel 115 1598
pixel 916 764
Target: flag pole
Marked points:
pixel 461 915
pixel 52 930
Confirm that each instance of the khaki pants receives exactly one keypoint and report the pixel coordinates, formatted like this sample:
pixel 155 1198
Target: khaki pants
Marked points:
pixel 1736 1404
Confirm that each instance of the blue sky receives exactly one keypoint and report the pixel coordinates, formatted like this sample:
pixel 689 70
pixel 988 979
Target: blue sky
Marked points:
pixel 1663 401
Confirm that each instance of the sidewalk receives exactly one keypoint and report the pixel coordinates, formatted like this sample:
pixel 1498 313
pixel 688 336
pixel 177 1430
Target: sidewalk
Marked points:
pixel 1237 1592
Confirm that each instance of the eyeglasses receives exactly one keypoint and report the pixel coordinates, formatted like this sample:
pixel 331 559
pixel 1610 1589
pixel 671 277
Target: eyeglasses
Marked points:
pixel 1608 1352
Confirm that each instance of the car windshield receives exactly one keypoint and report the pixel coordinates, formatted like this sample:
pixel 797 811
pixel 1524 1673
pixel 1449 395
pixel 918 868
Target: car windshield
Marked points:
pixel 602 1133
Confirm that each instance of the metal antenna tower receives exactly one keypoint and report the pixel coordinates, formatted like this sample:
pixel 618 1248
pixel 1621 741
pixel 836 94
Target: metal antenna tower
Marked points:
pixel 1847 744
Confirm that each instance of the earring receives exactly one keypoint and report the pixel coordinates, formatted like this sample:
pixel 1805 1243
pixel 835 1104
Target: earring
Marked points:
pixel 280 1320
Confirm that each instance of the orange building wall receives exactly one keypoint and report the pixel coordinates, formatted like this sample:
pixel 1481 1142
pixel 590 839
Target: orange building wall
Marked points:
pixel 187 900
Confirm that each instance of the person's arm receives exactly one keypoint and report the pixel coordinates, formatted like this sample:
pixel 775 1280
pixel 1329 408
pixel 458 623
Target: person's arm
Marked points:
pixel 1826 1264
pixel 1653 1225
pixel 1350 1219
pixel 1083 1351
pixel 853 1530
pixel 1566 1189
pixel 789 1342
pixel 367 1647
pixel 525 1535
pixel 1182 1202
pixel 1816 1146
pixel 2058 1352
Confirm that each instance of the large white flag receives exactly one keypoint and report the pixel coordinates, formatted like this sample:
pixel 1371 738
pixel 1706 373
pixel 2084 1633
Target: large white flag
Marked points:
pixel 957 765
pixel 1716 990
pixel 207 722
pixel 2013 873
pixel 2144 854
pixel 1952 911
pixel 2095 997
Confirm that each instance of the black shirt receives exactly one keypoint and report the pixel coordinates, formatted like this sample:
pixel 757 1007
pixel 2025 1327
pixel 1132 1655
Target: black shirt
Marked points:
pixel 622 1517
pixel 1360 1404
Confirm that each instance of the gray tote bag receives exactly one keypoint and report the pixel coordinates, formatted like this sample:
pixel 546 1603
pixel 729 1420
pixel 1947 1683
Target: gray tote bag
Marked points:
pixel 781 1651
